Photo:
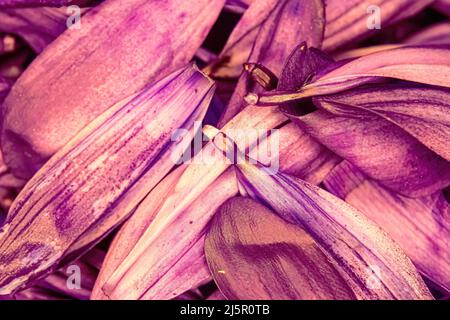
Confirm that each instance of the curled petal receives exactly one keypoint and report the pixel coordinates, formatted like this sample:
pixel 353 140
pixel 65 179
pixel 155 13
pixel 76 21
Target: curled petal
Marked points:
pixel 423 112
pixel 382 150
pixel 423 64
pixel 436 34
pixel 240 42
pixel 273 45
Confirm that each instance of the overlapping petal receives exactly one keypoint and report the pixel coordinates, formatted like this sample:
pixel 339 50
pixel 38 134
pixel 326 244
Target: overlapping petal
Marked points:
pixel 420 226
pixel 99 177
pixel 87 70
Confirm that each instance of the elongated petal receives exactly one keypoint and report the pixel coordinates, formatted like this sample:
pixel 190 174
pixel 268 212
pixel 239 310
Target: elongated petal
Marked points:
pixel 133 229
pixel 273 45
pixel 160 246
pixel 240 42
pixel 443 6
pixel 184 204
pixel 423 112
pixel 33 3
pixel 255 255
pixel 99 177
pixel 180 204
pixel 91 68
pixel 189 272
pixel 4 89
pixel 423 64
pixel 355 244
pixel 347 21
pixel 382 150
pixel 420 226
pixel 357 247
pixel 438 33
pixel 37 26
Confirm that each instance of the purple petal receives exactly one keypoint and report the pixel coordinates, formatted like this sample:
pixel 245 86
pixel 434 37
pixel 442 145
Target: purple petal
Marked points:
pixel 443 6
pixel 301 66
pixel 355 245
pixel 37 26
pixel 189 272
pixel 96 180
pixel 424 64
pixel 347 20
pixel 255 255
pixel 152 227
pixel 33 3
pixel 169 237
pixel 423 112
pixel 382 150
pixel 438 33
pixel 4 89
pixel 88 71
pixel 273 45
pixel 240 42
pixel 420 226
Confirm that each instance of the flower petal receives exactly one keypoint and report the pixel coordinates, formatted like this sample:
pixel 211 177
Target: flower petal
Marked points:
pixel 438 33
pixel 420 226
pixel 356 246
pixel 95 181
pixel 37 26
pixel 184 208
pixel 347 20
pixel 423 64
pixel 240 42
pixel 166 240
pixel 423 112
pixel 273 45
pixel 33 3
pixel 255 255
pixel 380 149
pixel 89 70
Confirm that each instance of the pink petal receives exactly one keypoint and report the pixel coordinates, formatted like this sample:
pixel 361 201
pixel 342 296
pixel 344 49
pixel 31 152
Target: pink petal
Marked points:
pixel 420 226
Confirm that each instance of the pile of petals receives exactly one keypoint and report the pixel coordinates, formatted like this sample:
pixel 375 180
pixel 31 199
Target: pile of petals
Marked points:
pixel 220 149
